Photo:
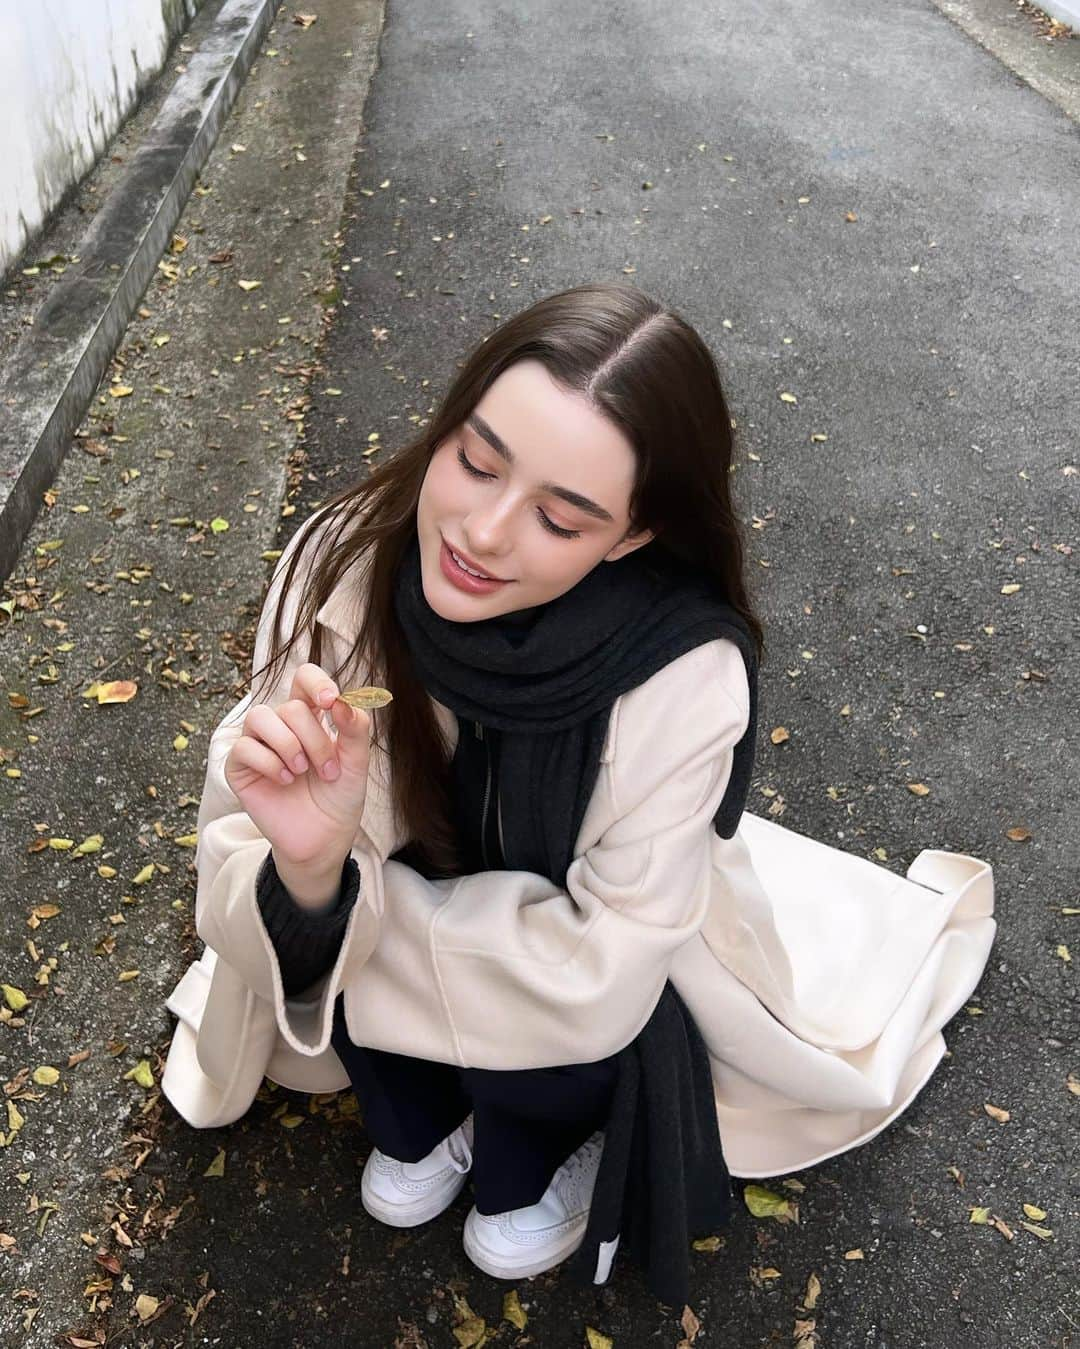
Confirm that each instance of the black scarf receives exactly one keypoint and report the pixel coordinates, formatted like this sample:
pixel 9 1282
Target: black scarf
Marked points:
pixel 545 680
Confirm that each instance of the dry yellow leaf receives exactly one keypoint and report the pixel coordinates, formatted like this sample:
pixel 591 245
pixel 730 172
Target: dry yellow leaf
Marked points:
pixel 856 1254
pixel 61 844
pixel 1043 1232
pixel 113 691
pixel 1011 588
pixel 1063 952
pixel 141 877
pixel 217 1166
pixel 996 1112
pixel 47 1076
pixel 121 390
pixel 249 285
pixel 708 1243
pixel 788 398
pixel 813 1292
pixel 141 1073
pixel 596 1340
pixel 368 697
pixel 513 1310
pixel 1036 1214
pixel 145 1306
pixel 779 734
pixel 1018 833
pixel 15 998
pixel 181 742
pixel 125 976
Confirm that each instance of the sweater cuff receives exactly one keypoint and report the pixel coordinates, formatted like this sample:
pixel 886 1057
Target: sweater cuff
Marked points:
pixel 306 942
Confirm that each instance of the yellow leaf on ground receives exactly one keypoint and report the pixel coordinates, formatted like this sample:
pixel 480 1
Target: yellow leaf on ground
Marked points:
pixel 141 1073
pixel 15 998
pixel 217 1166
pixel 996 1112
pixel 146 1306
pixel 46 1076
pixel 513 1311
pixel 249 285
pixel 764 1203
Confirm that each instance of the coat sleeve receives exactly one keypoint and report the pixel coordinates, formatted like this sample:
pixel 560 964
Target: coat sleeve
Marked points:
pixel 504 969
pixel 231 852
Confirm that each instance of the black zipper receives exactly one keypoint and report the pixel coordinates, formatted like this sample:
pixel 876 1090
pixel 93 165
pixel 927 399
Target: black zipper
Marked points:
pixel 487 796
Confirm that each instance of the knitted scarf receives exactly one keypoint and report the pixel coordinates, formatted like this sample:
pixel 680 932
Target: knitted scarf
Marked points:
pixel 546 679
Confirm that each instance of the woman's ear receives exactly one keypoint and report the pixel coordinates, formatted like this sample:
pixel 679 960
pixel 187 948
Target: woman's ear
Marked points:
pixel 628 543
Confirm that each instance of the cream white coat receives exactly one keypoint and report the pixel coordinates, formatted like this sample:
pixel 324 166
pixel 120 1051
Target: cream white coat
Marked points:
pixel 820 980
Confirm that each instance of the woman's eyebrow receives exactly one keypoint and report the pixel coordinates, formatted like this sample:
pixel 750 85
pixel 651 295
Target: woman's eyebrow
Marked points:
pixel 501 448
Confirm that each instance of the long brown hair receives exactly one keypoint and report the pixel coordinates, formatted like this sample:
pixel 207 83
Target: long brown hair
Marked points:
pixel 640 364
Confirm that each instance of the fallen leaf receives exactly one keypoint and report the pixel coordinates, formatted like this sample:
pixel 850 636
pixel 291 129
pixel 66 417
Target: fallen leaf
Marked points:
pixel 121 390
pixel 763 1203
pixel 512 1310
pixel 114 691
pixel 249 285
pixel 779 734
pixel 596 1340
pixel 217 1166
pixel 141 1073
pixel 1018 834
pixel 146 1306
pixel 918 788
pixel 15 998
pixel 47 1076
pixel 1038 1214
pixel 995 1112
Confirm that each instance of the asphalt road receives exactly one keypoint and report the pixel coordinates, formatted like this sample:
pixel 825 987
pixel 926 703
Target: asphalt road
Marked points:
pixel 860 207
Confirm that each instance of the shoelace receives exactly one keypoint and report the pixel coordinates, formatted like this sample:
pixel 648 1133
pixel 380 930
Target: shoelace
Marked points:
pixel 580 1166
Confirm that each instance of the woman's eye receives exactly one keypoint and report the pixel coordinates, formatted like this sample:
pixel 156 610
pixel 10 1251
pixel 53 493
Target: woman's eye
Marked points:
pixel 548 524
pixel 471 468
pixel 557 529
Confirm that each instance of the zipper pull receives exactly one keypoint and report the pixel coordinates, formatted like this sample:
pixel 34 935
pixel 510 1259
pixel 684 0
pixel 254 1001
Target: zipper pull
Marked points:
pixel 479 730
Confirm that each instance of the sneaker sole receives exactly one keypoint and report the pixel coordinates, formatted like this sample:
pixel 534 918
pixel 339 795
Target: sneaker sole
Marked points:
pixel 501 1268
pixel 399 1215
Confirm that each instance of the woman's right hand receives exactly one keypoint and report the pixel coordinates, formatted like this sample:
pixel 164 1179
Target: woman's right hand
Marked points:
pixel 282 769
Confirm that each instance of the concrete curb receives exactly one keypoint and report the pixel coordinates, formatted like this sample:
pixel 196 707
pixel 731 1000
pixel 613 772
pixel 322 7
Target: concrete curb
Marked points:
pixel 55 369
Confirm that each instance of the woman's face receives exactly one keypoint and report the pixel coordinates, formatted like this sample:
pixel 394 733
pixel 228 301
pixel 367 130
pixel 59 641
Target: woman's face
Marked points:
pixel 508 510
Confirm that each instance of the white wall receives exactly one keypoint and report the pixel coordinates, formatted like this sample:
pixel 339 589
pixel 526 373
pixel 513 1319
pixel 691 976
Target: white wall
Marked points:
pixel 1067 11
pixel 70 72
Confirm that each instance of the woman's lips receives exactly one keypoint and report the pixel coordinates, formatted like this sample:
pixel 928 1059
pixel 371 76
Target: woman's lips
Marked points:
pixel 473 585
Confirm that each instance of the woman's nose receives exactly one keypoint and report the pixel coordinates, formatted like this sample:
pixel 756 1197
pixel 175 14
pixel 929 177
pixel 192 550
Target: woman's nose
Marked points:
pixel 487 529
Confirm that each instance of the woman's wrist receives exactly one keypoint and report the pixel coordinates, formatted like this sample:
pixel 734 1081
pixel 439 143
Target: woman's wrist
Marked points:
pixel 312 886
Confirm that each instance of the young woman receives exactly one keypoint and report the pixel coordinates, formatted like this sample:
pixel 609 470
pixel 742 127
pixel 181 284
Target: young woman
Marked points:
pixel 522 908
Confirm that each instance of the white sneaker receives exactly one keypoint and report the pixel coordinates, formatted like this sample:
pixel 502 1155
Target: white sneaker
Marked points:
pixel 526 1241
pixel 403 1194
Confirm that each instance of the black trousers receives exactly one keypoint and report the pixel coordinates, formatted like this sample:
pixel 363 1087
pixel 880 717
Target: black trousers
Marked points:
pixel 526 1122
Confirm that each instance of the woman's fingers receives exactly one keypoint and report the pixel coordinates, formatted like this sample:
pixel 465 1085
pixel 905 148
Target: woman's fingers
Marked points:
pixel 314 740
pixel 264 723
pixel 314 685
pixel 252 754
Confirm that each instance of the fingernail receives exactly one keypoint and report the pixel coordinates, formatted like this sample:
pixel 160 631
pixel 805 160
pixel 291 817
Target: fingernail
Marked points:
pixel 326 697
pixel 330 769
pixel 300 763
pixel 286 776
